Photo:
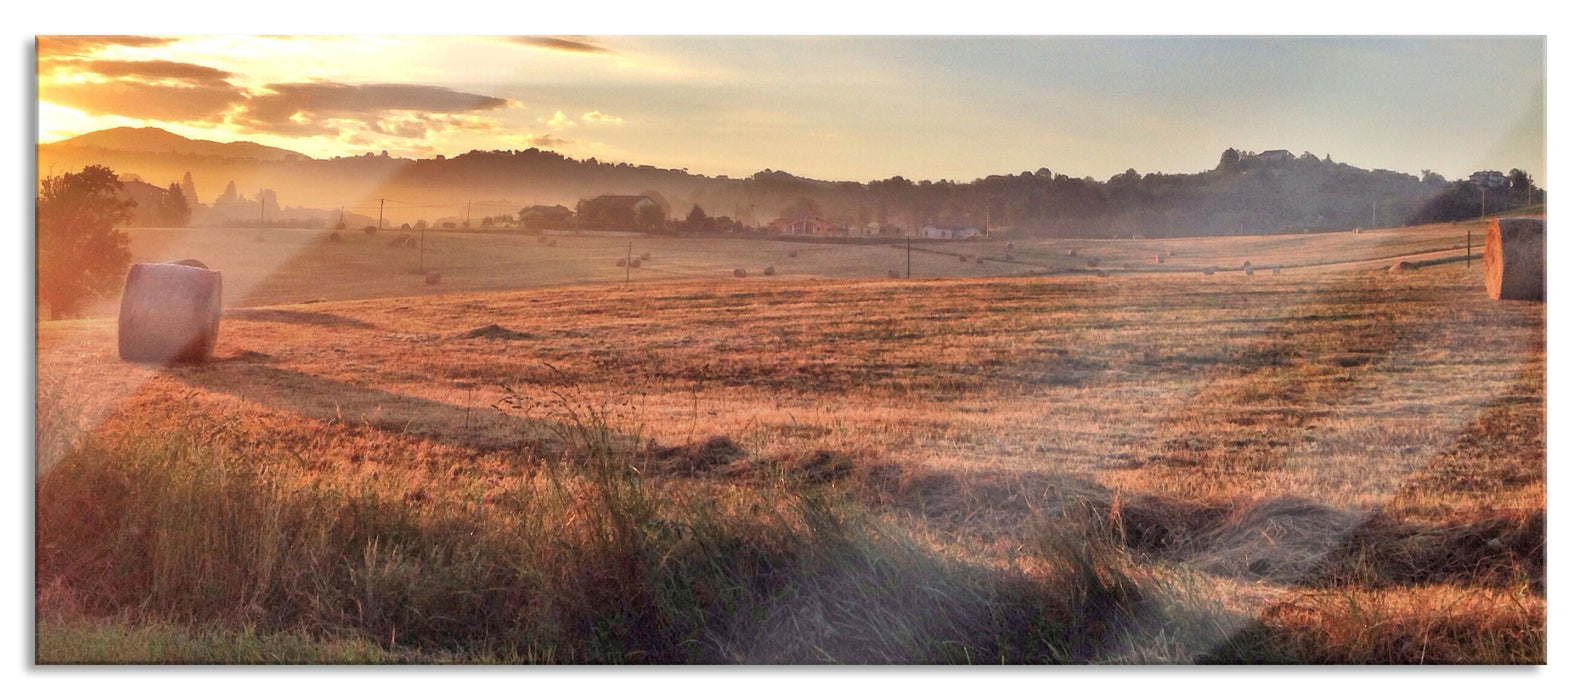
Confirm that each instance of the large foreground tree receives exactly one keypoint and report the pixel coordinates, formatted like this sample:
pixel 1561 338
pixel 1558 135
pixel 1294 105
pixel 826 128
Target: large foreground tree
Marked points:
pixel 81 253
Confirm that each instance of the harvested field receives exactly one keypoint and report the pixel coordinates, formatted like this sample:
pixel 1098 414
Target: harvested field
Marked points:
pixel 1330 465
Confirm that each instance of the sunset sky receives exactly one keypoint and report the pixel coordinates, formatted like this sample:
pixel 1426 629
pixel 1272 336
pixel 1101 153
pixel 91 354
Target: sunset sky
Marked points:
pixel 858 108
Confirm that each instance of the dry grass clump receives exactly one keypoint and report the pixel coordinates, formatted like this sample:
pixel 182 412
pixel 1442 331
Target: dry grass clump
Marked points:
pixel 579 561
pixel 1423 625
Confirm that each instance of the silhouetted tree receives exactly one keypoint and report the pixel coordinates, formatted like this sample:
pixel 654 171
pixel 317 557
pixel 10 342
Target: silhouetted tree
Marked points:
pixel 1229 159
pixel 81 253
pixel 696 219
pixel 173 209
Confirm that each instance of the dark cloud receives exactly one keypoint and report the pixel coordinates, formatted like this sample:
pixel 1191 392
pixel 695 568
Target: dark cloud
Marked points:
pixel 305 108
pixel 573 44
pixel 138 100
pixel 85 45
pixel 145 70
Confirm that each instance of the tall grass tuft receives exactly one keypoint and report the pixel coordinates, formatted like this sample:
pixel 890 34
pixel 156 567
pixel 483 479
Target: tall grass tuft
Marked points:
pixel 576 560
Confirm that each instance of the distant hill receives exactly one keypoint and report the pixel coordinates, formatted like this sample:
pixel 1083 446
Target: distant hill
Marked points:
pixel 1270 192
pixel 153 140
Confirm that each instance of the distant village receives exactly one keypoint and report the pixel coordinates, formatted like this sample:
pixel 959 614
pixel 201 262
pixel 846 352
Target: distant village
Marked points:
pixel 181 205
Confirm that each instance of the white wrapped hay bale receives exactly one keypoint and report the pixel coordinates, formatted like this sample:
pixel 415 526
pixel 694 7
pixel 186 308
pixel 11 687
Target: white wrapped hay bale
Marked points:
pixel 170 312
pixel 1513 259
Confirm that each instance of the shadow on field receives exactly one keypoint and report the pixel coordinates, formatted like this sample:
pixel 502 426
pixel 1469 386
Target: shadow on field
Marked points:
pixel 481 428
pixel 311 318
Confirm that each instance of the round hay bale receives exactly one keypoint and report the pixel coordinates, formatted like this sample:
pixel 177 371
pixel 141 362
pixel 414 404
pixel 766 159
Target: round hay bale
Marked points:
pixel 169 313
pixel 621 262
pixel 791 254
pixel 740 272
pixel 636 262
pixel 370 230
pixel 1208 271
pixel 1403 266
pixel 431 278
pixel 1513 258
pixel 1275 270
pixel 335 236
pixel 961 258
pixel 1010 246
pixel 769 271
pixel 1159 258
pixel 1093 262
pixel 980 260
pixel 1249 271
pixel 646 255
pixel 893 274
pixel 1246 263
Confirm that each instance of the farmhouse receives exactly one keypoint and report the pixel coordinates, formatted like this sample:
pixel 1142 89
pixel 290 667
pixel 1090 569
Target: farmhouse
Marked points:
pixel 540 216
pixel 1489 180
pixel 950 232
pixel 807 226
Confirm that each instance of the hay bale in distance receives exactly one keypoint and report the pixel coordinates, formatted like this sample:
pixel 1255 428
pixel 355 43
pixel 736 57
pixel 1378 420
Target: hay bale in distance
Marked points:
pixel 1093 262
pixel 370 230
pixel 621 262
pixel 1403 266
pixel 1249 270
pixel 169 313
pixel 740 272
pixel 769 271
pixel 646 255
pixel 1275 270
pixel 335 236
pixel 1514 259
pixel 635 262
pixel 431 278
pixel 1159 257
pixel 1246 264
pixel 791 254
pixel 961 258
pixel 893 274
pixel 1208 270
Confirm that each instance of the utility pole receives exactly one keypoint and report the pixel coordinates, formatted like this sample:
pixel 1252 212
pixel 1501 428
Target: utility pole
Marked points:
pixel 467 223
pixel 380 224
pixel 628 264
pixel 422 238
pixel 343 216
pixel 909 257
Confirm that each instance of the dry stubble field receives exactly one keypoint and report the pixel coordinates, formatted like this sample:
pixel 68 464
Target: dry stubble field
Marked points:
pixel 1327 466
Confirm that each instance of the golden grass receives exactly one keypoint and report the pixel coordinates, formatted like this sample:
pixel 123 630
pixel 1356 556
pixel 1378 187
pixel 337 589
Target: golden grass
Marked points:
pixel 1262 456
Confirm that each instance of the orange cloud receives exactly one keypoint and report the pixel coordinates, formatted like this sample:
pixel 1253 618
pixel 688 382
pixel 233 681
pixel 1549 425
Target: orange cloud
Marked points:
pixel 56 46
pixel 307 108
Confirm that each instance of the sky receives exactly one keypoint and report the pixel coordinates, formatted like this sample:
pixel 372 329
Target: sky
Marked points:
pixel 831 107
